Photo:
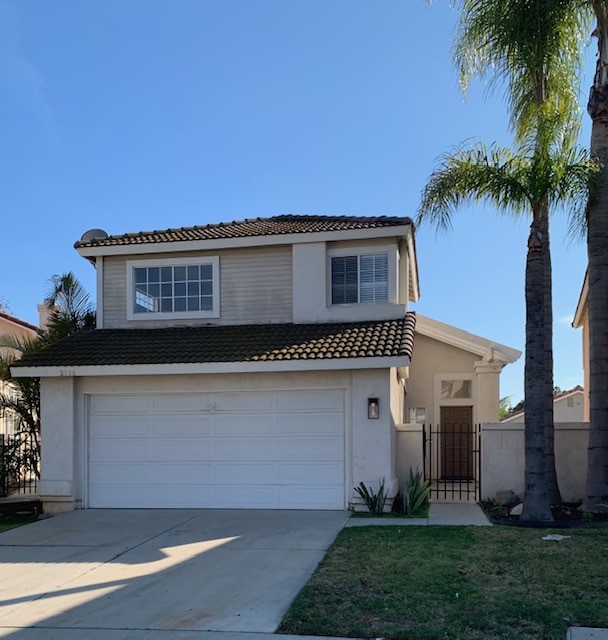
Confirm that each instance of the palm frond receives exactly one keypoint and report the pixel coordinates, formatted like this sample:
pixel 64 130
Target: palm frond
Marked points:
pixel 474 174
pixel 531 48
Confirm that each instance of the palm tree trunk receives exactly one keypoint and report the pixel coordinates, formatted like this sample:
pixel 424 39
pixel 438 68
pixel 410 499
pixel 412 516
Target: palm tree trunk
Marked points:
pixel 536 503
pixel 597 249
pixel 553 492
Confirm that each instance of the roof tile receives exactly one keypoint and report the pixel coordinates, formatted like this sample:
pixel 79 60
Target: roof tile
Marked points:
pixel 277 225
pixel 241 343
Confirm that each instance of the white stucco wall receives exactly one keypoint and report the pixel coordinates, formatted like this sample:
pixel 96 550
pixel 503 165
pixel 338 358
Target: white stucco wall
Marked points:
pixel 310 284
pixel 432 357
pixel 369 444
pixel 502 458
pixel 409 450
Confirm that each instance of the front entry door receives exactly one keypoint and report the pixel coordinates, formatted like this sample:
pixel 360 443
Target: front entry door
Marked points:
pixel 457 443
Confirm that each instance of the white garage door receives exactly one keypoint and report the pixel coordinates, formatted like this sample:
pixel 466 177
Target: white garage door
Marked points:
pixel 262 450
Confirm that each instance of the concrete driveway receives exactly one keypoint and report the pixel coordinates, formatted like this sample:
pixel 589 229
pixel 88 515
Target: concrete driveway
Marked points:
pixel 112 571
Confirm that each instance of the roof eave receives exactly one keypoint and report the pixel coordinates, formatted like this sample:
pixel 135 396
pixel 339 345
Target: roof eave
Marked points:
pixel 247 241
pixel 261 366
pixel 581 307
pixel 464 340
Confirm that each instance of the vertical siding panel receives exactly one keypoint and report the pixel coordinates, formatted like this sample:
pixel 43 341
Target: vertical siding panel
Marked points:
pixel 256 287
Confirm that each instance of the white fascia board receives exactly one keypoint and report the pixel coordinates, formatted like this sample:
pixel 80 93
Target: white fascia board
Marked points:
pixel 464 340
pixel 414 284
pixel 266 366
pixel 576 392
pixel 582 303
pixel 516 417
pixel 249 241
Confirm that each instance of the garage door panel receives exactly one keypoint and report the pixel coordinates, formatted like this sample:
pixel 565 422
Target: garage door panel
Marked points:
pixel 243 473
pixel 120 404
pixel 245 425
pixel 182 403
pixel 124 450
pixel 263 450
pixel 246 497
pixel 311 474
pixel 183 449
pixel 243 401
pixel 311 424
pixel 171 474
pixel 184 496
pixel 311 449
pixel 130 496
pixel 311 497
pixel 107 426
pixel 311 401
pixel 245 449
pixel 116 474
pixel 183 426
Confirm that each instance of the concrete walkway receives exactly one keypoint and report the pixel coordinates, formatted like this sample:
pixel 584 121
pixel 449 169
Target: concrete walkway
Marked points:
pixel 440 513
pixel 141 634
pixel 586 633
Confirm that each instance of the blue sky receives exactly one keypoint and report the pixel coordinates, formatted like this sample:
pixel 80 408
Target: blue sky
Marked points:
pixel 141 114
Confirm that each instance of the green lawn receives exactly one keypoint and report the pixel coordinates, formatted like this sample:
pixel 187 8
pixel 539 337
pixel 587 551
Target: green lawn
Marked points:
pixel 10 522
pixel 443 583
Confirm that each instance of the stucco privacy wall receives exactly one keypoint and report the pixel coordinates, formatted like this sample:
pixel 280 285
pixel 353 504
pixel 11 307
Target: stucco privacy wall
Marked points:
pixel 409 448
pixel 431 357
pixel 502 458
pixel 368 451
pixel 255 287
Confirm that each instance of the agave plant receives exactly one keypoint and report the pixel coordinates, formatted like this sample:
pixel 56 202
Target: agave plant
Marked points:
pixel 374 500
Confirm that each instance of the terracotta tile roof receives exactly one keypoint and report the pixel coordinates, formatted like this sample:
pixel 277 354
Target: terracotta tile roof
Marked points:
pixel 241 343
pixel 277 225
pixel 14 320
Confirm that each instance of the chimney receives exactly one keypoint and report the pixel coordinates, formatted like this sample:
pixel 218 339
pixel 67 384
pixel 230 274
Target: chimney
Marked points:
pixel 44 315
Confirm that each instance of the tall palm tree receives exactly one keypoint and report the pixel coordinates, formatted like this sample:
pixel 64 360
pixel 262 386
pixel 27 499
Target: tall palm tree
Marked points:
pixel 530 47
pixel 518 184
pixel 597 243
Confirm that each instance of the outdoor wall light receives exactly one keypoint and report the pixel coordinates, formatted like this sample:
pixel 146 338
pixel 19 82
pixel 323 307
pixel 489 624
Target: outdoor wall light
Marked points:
pixel 373 409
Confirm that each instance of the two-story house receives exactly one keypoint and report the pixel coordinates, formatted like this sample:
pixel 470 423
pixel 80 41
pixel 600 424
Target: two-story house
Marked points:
pixel 265 363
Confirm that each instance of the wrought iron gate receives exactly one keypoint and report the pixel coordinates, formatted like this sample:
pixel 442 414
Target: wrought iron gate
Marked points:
pixel 452 463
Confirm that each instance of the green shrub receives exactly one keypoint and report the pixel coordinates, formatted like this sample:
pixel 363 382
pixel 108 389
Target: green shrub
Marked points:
pixel 415 494
pixel 374 500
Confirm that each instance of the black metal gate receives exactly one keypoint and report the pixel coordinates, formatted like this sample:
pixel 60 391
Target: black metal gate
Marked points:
pixel 452 463
pixel 19 464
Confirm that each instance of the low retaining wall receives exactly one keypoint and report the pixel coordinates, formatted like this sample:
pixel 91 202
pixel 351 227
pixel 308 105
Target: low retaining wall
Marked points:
pixel 502 458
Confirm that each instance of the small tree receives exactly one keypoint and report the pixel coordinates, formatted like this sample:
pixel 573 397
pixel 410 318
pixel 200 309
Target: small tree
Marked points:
pixel 20 397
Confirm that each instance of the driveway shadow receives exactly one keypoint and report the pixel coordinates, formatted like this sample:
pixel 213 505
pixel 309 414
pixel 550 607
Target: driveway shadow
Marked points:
pixel 212 570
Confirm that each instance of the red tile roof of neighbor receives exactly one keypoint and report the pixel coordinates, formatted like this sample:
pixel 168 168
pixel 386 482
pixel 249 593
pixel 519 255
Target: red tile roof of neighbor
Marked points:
pixel 277 225
pixel 235 343
pixel 14 320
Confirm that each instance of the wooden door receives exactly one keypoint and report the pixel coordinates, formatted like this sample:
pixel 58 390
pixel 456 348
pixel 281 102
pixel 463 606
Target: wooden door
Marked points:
pixel 456 443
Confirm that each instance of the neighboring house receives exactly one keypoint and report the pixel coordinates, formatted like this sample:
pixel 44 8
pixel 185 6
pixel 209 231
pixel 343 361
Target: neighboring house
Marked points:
pixel 10 325
pixel 265 363
pixel 581 320
pixel 568 406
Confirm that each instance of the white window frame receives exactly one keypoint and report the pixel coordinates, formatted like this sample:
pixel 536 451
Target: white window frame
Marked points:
pixel 365 250
pixel 214 261
pixel 454 402
pixel 426 414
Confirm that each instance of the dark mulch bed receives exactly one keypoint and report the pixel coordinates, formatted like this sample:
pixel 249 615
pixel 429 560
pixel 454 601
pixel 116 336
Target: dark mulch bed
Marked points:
pixel 566 515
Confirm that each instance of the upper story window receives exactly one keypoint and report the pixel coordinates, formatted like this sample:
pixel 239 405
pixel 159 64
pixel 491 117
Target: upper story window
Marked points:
pixel 359 278
pixel 173 288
